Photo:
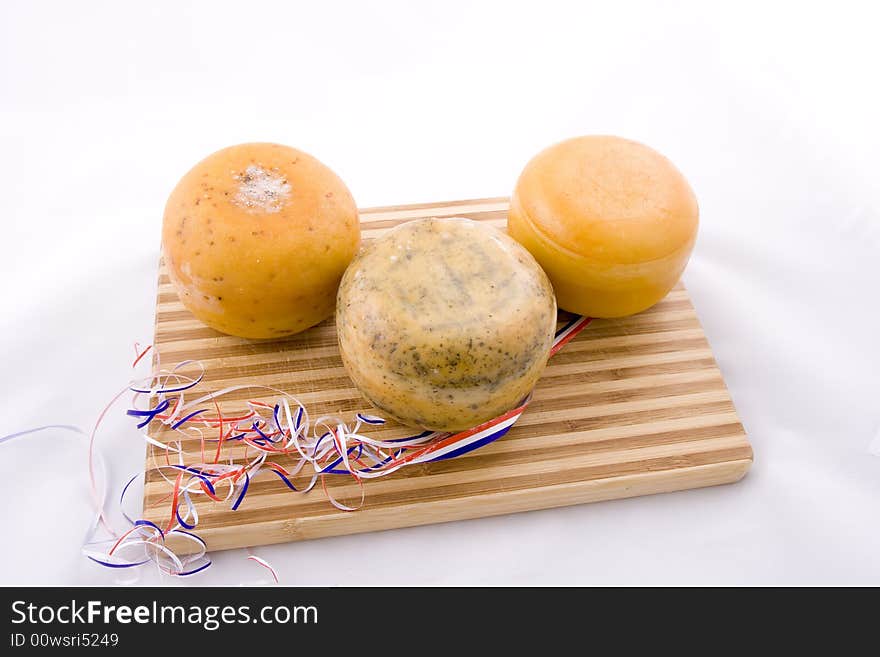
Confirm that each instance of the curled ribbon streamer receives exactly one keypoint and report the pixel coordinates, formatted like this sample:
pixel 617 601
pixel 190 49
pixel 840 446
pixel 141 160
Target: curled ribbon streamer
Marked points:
pixel 326 447
pixel 265 564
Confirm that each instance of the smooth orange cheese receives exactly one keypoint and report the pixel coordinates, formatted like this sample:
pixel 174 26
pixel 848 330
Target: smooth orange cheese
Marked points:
pixel 256 238
pixel 611 221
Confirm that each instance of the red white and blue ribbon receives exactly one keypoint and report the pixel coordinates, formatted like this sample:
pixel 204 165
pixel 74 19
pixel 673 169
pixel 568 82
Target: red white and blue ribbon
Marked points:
pixel 326 447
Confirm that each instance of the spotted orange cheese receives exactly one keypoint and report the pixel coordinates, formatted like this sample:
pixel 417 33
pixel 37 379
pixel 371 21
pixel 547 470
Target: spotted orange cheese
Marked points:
pixel 445 323
pixel 256 238
pixel 611 221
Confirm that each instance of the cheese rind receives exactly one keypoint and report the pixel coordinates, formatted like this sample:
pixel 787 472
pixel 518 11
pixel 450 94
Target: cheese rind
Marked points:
pixel 445 323
pixel 256 238
pixel 611 221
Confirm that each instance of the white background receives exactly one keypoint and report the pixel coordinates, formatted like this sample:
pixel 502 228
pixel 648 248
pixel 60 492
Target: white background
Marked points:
pixel 771 110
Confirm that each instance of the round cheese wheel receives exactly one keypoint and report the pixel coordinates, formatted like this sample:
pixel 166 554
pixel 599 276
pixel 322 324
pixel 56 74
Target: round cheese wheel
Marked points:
pixel 256 238
pixel 445 323
pixel 611 221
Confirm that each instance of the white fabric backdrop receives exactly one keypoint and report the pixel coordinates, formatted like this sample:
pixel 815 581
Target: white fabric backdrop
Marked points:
pixel 769 109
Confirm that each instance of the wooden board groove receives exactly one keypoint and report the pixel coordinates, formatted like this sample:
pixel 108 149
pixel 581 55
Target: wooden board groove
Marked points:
pixel 583 441
pixel 570 449
pixel 274 508
pixel 632 406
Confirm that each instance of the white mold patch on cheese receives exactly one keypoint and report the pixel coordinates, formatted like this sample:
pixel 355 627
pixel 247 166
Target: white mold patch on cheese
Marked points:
pixel 261 190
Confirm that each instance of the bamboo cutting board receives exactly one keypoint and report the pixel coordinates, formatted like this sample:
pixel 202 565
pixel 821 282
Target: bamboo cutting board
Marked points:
pixel 632 406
